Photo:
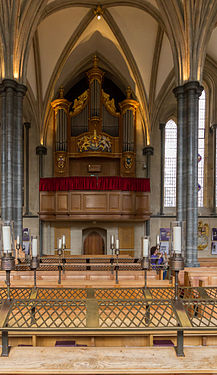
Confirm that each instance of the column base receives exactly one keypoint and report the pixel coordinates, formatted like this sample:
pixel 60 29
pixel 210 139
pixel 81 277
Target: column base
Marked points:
pixel 191 264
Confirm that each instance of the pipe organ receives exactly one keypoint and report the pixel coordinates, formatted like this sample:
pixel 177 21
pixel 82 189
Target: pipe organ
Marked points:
pixel 91 135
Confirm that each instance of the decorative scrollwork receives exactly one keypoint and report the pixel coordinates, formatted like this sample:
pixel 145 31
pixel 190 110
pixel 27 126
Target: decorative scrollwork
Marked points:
pixel 79 103
pixel 109 103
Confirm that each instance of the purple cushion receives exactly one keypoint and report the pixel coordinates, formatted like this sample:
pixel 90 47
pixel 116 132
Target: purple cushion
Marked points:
pixel 163 342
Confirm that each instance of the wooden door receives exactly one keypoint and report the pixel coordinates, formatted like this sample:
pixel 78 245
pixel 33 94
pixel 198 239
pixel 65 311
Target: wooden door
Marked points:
pixel 94 244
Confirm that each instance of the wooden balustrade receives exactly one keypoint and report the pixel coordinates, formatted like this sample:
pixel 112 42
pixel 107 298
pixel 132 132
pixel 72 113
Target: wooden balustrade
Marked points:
pixel 94 205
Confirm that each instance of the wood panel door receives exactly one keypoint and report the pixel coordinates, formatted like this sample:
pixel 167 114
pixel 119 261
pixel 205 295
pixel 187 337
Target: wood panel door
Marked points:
pixel 94 244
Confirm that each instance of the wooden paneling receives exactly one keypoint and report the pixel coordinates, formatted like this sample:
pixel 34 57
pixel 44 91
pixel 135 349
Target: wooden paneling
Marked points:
pixel 114 202
pixel 95 201
pixel 142 202
pixel 47 202
pixel 76 202
pixel 94 205
pixel 62 201
pixel 128 202
pixel 108 166
pixel 126 237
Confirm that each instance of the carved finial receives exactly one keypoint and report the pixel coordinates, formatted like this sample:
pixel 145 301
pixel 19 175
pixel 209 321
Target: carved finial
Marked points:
pixel 95 61
pixel 61 92
pixel 129 92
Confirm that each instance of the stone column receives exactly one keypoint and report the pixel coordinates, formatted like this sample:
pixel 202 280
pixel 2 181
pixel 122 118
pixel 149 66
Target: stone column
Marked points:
pixel 181 156
pixel 148 151
pixel 3 155
pixel 193 91
pixel 187 164
pixel 41 151
pixel 27 126
pixel 18 173
pixel 214 126
pixel 162 144
pixel 12 153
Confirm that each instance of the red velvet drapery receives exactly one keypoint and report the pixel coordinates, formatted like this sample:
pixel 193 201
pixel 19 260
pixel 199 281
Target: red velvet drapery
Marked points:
pixel 94 183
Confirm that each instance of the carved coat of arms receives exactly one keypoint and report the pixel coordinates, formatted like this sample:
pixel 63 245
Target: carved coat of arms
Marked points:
pixel 94 143
pixel 203 235
pixel 61 162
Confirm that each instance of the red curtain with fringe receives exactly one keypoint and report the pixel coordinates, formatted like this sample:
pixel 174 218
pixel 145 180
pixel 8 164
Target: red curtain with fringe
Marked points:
pixel 94 183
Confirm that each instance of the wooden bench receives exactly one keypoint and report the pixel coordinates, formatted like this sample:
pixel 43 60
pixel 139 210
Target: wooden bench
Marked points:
pixel 192 276
pixel 83 278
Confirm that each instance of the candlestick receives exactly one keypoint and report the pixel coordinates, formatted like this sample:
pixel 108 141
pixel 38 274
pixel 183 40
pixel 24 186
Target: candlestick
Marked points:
pixel 60 243
pixel 34 247
pixel 112 240
pixel 145 247
pixel 177 240
pixel 117 244
pixel 6 236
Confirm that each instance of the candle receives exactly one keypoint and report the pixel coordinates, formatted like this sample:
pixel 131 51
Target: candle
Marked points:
pixel 34 247
pixel 145 243
pixel 177 240
pixel 117 244
pixel 60 243
pixel 112 240
pixel 18 240
pixel 6 236
pixel 158 240
pixel 64 240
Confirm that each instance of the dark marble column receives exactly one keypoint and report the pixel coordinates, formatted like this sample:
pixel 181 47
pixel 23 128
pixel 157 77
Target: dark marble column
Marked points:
pixel 3 154
pixel 187 165
pixel 41 151
pixel 214 126
pixel 12 94
pixel 181 156
pixel 27 126
pixel 9 87
pixel 148 151
pixel 192 91
pixel 162 143
pixel 18 178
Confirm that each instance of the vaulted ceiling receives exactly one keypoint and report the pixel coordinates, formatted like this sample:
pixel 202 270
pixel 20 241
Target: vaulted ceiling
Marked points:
pixel 129 38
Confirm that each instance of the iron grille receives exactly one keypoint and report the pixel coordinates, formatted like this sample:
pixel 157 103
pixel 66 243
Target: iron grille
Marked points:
pixel 47 314
pixel 119 293
pixel 136 314
pixel 202 313
pixel 15 293
pixel 61 294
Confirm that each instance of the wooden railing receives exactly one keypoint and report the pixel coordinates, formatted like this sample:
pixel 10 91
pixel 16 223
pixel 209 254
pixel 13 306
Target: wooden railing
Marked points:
pixel 94 205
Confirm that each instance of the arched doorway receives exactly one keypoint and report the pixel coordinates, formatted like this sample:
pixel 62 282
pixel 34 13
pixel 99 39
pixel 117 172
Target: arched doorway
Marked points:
pixel 94 244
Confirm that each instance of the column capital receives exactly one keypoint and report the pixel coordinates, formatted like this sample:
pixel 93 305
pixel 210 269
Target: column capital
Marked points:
pixel 162 125
pixel 14 85
pixel 41 150
pixel 193 85
pixel 148 150
pixel 27 125
pixel 179 90
pixel 213 128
